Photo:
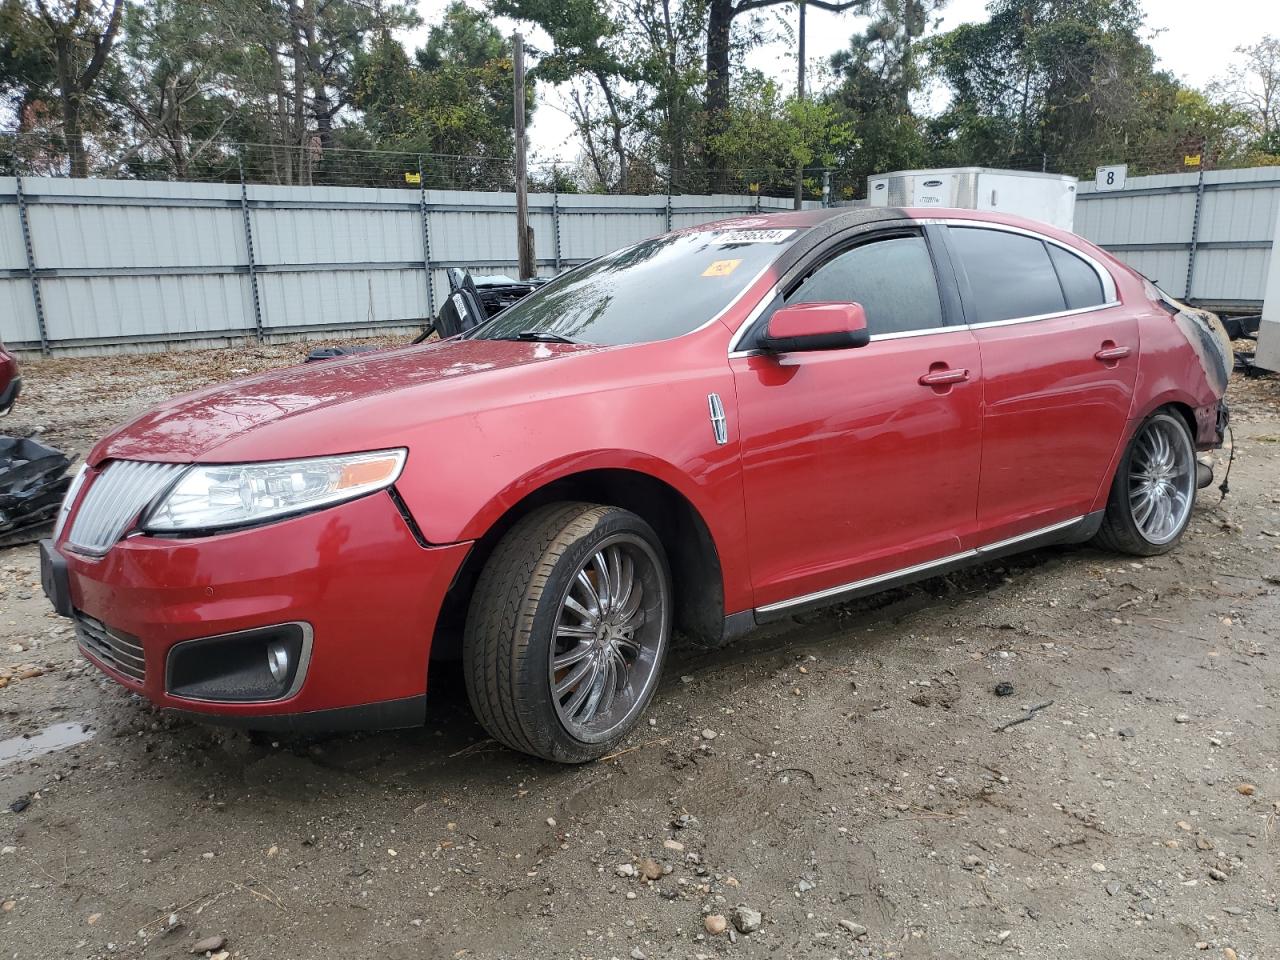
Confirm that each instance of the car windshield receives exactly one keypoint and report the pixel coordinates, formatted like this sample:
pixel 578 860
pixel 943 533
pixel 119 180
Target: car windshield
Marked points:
pixel 655 290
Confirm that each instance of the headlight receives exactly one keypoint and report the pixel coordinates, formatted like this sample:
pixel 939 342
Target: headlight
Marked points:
pixel 209 497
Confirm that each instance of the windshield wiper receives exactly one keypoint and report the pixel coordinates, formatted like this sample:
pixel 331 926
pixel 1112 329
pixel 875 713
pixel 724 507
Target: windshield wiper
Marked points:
pixel 537 336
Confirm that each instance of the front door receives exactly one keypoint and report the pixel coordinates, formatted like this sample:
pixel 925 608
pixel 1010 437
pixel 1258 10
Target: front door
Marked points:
pixel 1059 361
pixel 864 461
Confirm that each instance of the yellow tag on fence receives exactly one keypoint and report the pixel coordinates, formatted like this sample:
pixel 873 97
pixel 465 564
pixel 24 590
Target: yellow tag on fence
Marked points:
pixel 1191 160
pixel 721 268
pixel 413 178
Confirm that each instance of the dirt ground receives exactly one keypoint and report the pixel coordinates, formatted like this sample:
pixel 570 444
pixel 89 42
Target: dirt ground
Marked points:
pixel 844 776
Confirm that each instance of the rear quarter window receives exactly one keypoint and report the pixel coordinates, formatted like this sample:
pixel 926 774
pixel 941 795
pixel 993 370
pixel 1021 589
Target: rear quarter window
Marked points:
pixel 1080 282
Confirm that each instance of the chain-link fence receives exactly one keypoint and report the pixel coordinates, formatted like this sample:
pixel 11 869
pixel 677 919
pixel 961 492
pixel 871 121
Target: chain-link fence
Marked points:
pixel 35 155
pixel 314 164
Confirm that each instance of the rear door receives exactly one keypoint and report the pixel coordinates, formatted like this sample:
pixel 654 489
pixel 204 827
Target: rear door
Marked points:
pixel 1059 361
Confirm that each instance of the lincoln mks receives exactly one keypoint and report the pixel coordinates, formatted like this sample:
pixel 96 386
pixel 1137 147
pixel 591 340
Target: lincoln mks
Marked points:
pixel 699 433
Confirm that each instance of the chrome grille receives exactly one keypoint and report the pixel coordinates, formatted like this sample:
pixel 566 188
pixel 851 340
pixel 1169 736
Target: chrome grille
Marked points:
pixel 117 650
pixel 114 500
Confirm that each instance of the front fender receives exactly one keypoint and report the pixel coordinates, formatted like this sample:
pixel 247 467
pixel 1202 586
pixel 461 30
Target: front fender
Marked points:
pixel 466 472
pixel 576 463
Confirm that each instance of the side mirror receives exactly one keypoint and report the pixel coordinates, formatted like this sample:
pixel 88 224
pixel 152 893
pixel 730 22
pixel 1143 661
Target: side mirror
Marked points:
pixel 817 326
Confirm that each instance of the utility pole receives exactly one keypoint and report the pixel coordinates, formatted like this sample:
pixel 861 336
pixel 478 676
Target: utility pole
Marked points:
pixel 800 95
pixel 524 242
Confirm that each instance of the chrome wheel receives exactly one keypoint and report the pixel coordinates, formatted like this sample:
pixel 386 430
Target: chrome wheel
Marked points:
pixel 1162 480
pixel 610 635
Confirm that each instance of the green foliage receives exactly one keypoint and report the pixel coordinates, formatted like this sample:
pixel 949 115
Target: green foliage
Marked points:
pixel 770 135
pixel 878 75
pixel 656 90
pixel 453 98
pixel 1068 84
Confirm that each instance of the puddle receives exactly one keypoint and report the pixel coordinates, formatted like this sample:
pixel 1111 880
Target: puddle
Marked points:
pixel 57 737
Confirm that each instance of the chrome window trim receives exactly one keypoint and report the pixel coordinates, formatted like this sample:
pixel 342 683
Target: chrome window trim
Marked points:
pixel 925 332
pixel 750 319
pixel 299 675
pixel 1042 316
pixel 1104 275
pixel 734 352
pixel 829 592
pixel 1108 290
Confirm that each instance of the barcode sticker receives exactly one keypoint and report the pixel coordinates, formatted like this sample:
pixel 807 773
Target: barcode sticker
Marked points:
pixel 752 236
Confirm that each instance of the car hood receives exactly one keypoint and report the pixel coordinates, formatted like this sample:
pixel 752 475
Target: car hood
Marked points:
pixel 333 406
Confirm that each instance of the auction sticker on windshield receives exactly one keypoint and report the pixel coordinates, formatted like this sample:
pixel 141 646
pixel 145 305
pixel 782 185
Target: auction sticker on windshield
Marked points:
pixel 753 236
pixel 721 268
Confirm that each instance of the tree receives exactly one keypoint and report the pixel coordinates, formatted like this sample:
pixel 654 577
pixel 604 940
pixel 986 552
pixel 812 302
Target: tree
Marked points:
pixel 770 135
pixel 1253 87
pixel 291 71
pixel 586 50
pixel 720 18
pixel 667 42
pixel 169 79
pixel 453 97
pixel 58 49
pixel 1064 81
pixel 878 75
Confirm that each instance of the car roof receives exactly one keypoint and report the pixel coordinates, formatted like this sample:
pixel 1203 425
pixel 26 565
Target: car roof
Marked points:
pixel 821 222
pixel 852 216
pixel 797 219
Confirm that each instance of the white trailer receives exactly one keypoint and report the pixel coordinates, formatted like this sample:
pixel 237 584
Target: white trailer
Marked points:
pixel 1268 353
pixel 1047 197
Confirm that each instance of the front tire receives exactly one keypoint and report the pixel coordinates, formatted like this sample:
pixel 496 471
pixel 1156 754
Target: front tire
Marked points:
pixel 568 630
pixel 1154 489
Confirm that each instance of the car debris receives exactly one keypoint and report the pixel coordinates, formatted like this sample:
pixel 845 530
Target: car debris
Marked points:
pixel 470 302
pixel 33 481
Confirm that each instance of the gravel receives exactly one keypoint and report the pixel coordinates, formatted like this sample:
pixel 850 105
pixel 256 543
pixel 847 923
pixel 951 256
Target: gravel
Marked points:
pixel 874 782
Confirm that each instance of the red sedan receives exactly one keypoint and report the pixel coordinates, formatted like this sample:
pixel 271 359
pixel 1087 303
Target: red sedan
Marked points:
pixel 705 431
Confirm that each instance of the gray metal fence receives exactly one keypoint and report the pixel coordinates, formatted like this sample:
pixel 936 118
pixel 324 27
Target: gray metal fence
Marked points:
pixel 1204 237
pixel 88 265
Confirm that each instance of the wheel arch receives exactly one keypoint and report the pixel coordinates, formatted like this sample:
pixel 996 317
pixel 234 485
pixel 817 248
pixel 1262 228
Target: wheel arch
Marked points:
pixel 691 548
pixel 1179 402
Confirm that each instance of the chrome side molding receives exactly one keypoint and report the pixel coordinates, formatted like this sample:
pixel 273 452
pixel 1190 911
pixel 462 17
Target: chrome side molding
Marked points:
pixel 771 611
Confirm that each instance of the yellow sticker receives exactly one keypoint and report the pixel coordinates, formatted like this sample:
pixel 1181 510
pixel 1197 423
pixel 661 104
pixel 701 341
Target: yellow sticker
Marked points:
pixel 721 268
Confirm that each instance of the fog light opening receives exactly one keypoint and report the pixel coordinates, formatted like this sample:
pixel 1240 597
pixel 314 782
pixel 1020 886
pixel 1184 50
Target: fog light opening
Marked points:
pixel 278 660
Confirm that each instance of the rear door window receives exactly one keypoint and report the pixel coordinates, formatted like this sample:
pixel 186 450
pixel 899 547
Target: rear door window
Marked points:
pixel 892 278
pixel 1010 275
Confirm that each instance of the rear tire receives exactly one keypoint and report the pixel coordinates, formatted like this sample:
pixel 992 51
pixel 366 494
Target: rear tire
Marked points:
pixel 1154 489
pixel 567 631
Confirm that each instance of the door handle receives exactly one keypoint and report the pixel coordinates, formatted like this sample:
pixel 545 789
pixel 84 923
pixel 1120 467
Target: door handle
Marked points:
pixel 940 378
pixel 1111 354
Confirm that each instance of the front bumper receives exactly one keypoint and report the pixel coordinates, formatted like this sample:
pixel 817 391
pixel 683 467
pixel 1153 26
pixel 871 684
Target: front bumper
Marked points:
pixel 354 573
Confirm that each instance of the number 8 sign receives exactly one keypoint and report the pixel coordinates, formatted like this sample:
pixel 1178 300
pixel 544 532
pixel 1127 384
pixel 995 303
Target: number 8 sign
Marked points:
pixel 1111 178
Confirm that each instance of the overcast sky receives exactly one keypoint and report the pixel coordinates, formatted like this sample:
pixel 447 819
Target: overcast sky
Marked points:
pixel 1193 39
